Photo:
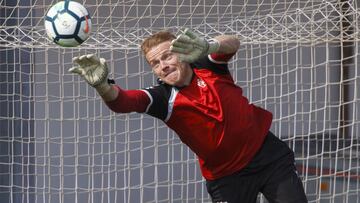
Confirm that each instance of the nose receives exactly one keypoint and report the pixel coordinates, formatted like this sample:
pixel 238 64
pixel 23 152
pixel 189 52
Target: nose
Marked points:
pixel 164 66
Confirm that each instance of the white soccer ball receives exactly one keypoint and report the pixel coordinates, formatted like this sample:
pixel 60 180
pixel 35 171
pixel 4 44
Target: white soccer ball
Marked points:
pixel 68 23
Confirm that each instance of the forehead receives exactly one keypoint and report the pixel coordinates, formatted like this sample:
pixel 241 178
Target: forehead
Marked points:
pixel 158 50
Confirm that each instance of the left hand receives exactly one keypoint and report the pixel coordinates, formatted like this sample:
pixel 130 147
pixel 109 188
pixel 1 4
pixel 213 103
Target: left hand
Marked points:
pixel 91 68
pixel 191 47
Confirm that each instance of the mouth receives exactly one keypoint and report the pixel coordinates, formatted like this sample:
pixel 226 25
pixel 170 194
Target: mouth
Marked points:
pixel 171 75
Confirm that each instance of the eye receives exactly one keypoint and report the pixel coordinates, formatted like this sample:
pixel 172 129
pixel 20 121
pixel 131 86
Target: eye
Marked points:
pixel 169 56
pixel 154 63
pixel 155 66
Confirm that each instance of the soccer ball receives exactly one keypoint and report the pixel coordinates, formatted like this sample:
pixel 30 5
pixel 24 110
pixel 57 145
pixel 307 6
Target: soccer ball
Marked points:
pixel 68 23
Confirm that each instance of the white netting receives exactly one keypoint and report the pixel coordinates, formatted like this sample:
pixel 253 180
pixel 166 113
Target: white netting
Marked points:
pixel 123 25
pixel 60 143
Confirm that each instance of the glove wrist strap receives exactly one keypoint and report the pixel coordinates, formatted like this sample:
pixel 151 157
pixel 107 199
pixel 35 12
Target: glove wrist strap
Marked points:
pixel 103 88
pixel 106 91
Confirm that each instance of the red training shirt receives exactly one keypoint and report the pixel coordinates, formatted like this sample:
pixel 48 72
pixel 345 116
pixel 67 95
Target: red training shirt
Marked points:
pixel 210 115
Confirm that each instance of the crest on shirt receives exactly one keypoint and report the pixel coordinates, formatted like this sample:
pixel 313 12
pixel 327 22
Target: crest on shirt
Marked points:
pixel 201 83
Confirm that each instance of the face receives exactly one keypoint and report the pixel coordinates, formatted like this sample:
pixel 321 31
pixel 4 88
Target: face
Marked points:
pixel 167 67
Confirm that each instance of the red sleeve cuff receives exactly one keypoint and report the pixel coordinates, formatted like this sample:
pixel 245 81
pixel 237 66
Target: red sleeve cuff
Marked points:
pixel 129 101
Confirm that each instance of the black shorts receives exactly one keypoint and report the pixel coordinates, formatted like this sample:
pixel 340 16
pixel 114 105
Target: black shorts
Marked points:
pixel 272 172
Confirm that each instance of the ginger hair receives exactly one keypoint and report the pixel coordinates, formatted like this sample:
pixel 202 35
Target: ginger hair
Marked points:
pixel 155 40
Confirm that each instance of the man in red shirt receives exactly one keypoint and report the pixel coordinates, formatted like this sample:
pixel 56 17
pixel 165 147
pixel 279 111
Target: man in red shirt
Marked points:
pixel 198 98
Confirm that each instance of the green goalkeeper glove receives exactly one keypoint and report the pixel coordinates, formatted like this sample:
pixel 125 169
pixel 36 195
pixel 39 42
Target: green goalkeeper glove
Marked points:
pixel 191 47
pixel 93 70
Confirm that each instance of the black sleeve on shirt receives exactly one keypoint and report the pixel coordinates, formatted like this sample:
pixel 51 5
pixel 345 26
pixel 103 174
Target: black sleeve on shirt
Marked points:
pixel 160 95
pixel 205 63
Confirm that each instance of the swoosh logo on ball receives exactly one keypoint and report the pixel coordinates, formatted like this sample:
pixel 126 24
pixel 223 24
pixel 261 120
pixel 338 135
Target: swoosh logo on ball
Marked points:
pixel 86 29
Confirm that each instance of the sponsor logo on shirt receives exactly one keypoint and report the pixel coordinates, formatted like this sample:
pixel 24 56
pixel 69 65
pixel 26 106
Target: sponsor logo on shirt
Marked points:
pixel 201 83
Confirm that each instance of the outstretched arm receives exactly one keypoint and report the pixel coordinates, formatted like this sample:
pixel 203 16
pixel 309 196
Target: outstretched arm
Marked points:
pixel 228 44
pixel 95 73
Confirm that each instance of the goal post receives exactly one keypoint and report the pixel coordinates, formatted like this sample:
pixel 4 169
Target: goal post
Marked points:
pixel 298 59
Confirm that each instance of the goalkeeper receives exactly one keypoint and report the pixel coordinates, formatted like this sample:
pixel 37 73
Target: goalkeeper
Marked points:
pixel 196 97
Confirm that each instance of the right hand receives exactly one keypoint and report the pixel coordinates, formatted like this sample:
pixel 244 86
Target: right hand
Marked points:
pixel 91 68
pixel 192 47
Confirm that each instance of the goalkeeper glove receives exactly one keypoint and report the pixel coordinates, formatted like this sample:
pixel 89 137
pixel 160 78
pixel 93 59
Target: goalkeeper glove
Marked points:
pixel 93 70
pixel 191 47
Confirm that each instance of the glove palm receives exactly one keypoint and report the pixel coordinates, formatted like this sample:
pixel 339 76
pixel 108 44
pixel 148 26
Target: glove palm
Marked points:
pixel 191 47
pixel 92 69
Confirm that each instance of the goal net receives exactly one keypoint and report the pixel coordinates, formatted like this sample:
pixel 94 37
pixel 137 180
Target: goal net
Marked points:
pixel 59 142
